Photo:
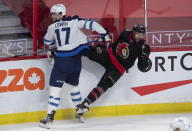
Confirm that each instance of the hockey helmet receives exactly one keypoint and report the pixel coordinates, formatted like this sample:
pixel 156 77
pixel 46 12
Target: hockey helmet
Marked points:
pixel 139 28
pixel 58 9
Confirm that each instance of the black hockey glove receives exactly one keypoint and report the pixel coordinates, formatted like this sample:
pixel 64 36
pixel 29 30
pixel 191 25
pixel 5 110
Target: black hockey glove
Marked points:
pixel 144 64
pixel 146 50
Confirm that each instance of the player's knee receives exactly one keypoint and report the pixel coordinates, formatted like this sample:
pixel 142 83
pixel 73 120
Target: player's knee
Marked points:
pixel 106 83
pixel 110 81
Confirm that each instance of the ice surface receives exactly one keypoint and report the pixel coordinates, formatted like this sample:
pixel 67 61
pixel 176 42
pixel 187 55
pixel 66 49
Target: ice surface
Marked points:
pixel 124 123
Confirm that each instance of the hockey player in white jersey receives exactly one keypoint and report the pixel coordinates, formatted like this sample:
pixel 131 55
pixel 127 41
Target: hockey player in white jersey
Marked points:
pixel 69 40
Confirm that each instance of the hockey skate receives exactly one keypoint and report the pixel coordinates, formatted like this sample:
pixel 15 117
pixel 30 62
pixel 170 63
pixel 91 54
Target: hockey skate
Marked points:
pixel 80 117
pixel 45 123
pixel 82 108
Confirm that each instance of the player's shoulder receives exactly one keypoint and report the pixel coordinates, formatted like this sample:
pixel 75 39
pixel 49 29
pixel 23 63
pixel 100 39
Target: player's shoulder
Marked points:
pixel 142 42
pixel 51 26
pixel 74 17
pixel 127 31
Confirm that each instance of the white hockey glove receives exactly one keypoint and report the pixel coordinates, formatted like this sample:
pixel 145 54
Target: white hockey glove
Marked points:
pixel 50 57
pixel 105 37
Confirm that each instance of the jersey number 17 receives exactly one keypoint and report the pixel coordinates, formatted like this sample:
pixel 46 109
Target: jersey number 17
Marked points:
pixel 64 33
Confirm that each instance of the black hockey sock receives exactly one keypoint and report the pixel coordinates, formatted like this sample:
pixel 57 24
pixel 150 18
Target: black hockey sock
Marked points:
pixel 94 95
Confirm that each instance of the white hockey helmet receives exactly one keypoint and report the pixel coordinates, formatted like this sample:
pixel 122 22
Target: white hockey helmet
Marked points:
pixel 181 123
pixel 58 9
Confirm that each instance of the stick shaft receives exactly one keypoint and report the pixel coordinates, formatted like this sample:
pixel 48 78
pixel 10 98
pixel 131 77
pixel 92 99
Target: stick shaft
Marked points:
pixel 145 15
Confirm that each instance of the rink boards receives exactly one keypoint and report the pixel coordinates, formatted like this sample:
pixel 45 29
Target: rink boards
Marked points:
pixel 165 88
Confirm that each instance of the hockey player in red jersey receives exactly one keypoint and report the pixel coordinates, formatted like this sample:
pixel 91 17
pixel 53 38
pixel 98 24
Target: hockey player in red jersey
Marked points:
pixel 117 58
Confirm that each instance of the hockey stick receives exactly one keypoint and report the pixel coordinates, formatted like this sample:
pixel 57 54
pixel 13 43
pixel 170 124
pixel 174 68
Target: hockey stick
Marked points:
pixel 145 16
pixel 106 7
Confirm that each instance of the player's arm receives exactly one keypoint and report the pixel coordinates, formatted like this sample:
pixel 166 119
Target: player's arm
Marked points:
pixel 92 25
pixel 49 38
pixel 144 62
pixel 123 35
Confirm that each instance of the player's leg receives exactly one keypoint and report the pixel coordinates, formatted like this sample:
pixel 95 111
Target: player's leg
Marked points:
pixel 53 103
pixel 98 54
pixel 107 81
pixel 73 82
pixel 56 82
pixel 76 99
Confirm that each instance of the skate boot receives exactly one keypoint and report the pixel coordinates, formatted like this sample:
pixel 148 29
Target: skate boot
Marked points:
pixel 45 123
pixel 80 117
pixel 82 108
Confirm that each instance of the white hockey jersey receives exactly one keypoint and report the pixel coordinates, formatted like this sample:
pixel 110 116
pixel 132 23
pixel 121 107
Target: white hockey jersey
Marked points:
pixel 66 34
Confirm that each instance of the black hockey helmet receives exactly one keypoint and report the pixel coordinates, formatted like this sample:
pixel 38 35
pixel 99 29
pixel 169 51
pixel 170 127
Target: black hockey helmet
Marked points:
pixel 139 28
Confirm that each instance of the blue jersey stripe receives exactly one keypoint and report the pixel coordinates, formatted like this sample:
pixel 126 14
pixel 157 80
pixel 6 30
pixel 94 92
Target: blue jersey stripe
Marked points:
pixel 85 25
pixel 45 40
pixel 49 42
pixel 91 25
pixel 71 53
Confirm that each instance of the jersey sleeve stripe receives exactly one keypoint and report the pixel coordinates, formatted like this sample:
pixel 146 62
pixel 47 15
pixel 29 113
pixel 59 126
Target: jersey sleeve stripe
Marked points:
pixel 45 40
pixel 49 42
pixel 85 25
pixel 91 25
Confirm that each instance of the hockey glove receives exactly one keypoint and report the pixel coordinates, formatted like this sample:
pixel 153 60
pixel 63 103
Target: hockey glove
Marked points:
pixel 50 56
pixel 146 50
pixel 105 37
pixel 144 64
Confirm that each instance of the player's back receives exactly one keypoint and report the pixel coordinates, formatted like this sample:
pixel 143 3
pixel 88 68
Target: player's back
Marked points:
pixel 67 33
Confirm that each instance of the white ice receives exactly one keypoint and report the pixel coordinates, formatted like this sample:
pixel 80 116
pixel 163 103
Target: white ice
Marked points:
pixel 123 123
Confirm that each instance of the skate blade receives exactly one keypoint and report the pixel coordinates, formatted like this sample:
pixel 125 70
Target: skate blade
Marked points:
pixel 81 119
pixel 46 126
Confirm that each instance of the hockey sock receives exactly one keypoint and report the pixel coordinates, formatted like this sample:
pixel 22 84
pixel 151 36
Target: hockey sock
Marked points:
pixel 75 95
pixel 94 95
pixel 54 99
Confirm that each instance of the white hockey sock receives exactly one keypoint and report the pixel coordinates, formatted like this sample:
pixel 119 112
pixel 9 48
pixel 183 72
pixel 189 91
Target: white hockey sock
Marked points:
pixel 54 98
pixel 75 94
